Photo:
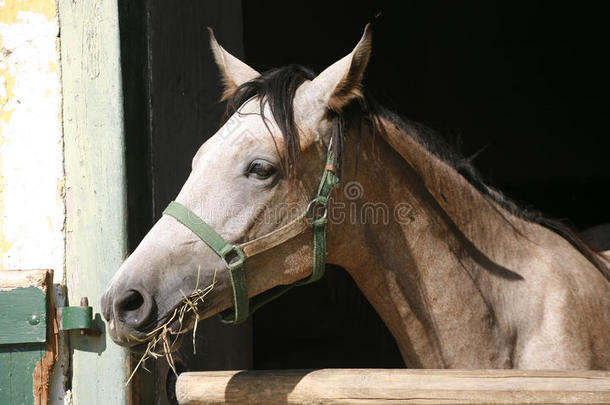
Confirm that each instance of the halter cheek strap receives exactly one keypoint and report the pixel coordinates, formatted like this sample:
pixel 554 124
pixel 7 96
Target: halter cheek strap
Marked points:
pixel 235 256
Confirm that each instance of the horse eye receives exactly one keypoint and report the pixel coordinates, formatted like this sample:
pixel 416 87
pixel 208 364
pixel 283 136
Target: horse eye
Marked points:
pixel 261 169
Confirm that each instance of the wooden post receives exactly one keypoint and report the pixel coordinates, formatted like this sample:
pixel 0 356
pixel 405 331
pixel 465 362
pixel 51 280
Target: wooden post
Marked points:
pixel 96 241
pixel 393 386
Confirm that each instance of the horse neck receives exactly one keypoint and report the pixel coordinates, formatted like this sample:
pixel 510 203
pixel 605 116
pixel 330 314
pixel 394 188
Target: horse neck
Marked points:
pixel 429 269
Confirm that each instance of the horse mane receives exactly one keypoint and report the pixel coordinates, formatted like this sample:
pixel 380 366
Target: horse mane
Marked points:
pixel 277 88
pixel 439 147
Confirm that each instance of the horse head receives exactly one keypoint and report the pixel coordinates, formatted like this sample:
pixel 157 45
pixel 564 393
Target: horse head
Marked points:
pixel 248 190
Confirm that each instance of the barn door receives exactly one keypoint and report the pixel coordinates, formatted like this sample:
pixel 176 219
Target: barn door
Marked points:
pixel 171 92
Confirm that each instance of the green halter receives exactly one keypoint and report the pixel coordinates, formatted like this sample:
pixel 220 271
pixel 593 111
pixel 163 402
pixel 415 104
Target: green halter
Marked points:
pixel 235 255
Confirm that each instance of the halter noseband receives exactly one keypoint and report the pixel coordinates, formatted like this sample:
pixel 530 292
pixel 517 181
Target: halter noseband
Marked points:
pixel 235 256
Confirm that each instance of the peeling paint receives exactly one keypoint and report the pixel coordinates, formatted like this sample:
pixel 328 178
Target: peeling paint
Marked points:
pixel 10 9
pixel 22 279
pixel 95 178
pixel 32 184
pixel 31 149
pixel 7 83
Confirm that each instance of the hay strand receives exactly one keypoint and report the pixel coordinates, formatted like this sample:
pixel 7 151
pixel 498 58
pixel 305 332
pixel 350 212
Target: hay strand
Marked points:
pixel 161 337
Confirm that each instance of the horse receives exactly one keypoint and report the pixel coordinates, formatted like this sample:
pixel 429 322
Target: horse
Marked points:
pixel 308 169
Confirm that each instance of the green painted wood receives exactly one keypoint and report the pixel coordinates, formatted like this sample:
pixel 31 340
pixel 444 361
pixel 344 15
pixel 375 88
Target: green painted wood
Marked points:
pixel 23 316
pixel 17 363
pixel 95 186
pixel 23 322
pixel 5 377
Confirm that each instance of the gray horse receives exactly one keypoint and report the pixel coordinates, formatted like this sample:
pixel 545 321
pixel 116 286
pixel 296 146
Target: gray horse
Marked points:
pixel 461 277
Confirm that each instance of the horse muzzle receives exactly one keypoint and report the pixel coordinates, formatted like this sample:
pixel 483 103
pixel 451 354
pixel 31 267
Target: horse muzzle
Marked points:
pixel 130 313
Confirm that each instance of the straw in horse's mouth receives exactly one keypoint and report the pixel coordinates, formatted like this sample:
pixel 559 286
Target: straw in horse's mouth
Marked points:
pixel 161 341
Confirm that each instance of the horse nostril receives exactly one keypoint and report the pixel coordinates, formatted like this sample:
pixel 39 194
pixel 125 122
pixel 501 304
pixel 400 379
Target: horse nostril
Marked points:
pixel 134 307
pixel 132 301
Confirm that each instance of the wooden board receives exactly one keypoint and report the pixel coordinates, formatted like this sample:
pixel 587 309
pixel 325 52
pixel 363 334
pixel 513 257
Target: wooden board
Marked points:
pixel 96 207
pixel 28 349
pixel 393 386
pixel 16 377
pixel 23 307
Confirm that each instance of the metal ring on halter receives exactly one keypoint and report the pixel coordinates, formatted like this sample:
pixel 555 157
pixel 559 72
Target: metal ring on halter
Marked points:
pixel 309 210
pixel 234 257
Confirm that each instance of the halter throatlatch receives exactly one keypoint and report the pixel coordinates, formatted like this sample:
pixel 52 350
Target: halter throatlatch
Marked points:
pixel 235 256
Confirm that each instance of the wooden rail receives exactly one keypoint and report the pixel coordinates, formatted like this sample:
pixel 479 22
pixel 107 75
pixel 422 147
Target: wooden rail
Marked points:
pixel 393 386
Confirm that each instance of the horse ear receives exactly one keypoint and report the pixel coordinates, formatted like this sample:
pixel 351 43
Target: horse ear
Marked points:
pixel 341 82
pixel 234 72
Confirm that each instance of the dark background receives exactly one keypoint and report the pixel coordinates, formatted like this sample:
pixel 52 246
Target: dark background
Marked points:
pixel 526 81
pixel 523 81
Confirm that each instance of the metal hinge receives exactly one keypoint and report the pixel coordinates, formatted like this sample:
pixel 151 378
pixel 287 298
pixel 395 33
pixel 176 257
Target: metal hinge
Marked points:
pixel 72 318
